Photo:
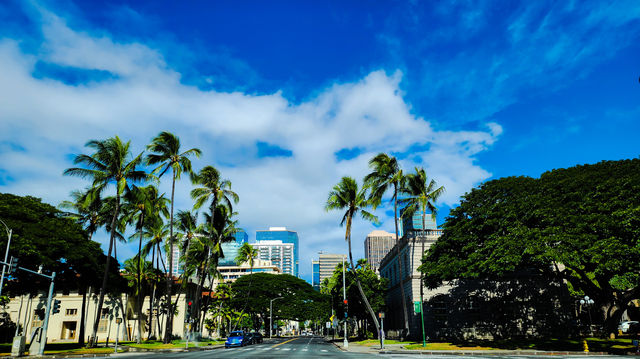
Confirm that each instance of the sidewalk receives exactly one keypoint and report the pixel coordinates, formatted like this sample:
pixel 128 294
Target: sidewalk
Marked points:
pixel 399 349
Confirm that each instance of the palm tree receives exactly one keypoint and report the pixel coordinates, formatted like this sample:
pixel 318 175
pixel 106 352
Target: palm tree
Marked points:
pixel 87 205
pixel 247 254
pixel 346 196
pixel 88 213
pixel 165 151
pixel 110 164
pixel 155 231
pixel 221 231
pixel 386 173
pixel 420 195
pixel 143 203
pixel 133 267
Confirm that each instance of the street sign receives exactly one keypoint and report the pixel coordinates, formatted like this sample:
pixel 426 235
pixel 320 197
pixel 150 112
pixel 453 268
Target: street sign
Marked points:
pixel 417 307
pixel 118 320
pixel 328 325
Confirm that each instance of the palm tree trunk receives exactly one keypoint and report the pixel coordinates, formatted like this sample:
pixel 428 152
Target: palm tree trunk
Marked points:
pixel 153 293
pixel 405 316
pixel 93 339
pixel 82 316
pixel 139 337
pixel 355 274
pixel 169 329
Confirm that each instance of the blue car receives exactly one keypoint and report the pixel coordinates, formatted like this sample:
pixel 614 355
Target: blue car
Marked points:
pixel 237 339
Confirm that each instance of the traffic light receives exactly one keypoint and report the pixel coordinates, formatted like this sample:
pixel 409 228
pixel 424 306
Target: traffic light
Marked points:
pixel 56 306
pixel 13 265
pixel 188 314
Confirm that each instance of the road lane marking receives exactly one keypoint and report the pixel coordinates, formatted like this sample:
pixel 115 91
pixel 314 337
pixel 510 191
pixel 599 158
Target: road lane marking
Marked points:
pixel 290 340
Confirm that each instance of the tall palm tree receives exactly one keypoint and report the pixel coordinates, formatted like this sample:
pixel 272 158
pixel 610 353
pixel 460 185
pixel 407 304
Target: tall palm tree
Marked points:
pixel 155 231
pixel 386 173
pixel 187 227
pixel 133 267
pixel 110 164
pixel 420 194
pixel 165 152
pixel 346 196
pixel 143 204
pixel 221 231
pixel 247 254
pixel 87 206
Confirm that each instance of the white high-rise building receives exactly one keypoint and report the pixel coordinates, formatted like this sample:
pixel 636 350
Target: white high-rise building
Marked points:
pixel 281 255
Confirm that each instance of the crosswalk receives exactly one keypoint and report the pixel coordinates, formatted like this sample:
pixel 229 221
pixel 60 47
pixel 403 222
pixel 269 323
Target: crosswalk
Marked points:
pixel 277 349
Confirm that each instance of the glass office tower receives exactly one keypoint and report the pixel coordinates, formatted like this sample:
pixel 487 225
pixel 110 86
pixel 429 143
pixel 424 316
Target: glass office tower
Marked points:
pixel 285 236
pixel 230 249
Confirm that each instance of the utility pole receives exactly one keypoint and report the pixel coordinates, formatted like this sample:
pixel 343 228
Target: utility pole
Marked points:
pixel 6 253
pixel 271 316
pixel 344 297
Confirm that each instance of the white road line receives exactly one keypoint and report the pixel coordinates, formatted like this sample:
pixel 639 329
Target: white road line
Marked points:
pixel 323 350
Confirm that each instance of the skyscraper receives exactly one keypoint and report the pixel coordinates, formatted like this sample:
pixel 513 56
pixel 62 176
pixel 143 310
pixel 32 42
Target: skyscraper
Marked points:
pixel 327 264
pixel 315 278
pixel 376 246
pixel 415 223
pixel 285 237
pixel 230 249
pixel 280 254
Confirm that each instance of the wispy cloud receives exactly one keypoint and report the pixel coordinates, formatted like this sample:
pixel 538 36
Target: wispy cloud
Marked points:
pixel 49 120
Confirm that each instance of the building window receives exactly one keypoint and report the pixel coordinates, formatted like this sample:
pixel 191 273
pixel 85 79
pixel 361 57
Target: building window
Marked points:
pixel 72 311
pixel 38 317
pixel 104 320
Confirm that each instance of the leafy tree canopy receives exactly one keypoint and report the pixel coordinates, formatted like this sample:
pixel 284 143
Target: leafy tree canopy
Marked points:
pixel 375 289
pixel 582 223
pixel 300 301
pixel 43 236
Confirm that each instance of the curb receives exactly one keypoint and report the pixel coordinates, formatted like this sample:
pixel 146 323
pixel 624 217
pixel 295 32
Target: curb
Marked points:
pixel 128 351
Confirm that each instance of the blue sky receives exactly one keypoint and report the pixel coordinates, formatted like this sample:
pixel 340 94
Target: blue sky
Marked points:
pixel 286 97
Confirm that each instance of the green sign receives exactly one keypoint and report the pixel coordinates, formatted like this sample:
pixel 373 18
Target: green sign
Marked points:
pixel 417 307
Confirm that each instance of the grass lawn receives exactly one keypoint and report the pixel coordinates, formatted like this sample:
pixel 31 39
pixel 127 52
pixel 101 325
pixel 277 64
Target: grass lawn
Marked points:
pixel 154 344
pixel 615 346
pixel 61 348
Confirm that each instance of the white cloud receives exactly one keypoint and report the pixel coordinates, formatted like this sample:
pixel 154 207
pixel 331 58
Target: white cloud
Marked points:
pixel 52 120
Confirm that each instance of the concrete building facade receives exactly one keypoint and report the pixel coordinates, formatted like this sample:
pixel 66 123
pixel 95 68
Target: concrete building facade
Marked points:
pixel 65 326
pixel 377 244
pixel 411 249
pixel 327 263
pixel 278 253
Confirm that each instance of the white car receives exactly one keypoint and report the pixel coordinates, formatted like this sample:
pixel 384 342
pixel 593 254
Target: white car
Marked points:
pixel 625 326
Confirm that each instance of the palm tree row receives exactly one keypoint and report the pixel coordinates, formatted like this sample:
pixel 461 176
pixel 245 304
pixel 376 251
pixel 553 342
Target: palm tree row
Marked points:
pixel 136 202
pixel 414 191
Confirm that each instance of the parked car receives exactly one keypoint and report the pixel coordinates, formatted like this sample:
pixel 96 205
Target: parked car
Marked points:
pixel 629 326
pixel 249 338
pixel 237 339
pixel 257 337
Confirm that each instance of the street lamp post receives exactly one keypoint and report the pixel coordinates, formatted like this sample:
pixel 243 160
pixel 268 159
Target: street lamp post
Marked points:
pixel 271 316
pixel 6 253
pixel 344 297
pixel 588 302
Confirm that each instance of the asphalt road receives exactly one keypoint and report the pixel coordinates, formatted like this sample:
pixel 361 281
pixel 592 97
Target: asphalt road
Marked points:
pixel 316 347
pixel 299 347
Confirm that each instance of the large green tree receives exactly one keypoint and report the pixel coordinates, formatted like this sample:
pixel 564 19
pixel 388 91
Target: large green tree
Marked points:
pixel 299 301
pixel 582 222
pixel 374 287
pixel 346 196
pixel 166 154
pixel 386 175
pixel 110 164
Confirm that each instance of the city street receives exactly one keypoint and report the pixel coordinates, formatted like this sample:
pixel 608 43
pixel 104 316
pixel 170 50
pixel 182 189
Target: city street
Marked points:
pixel 313 347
